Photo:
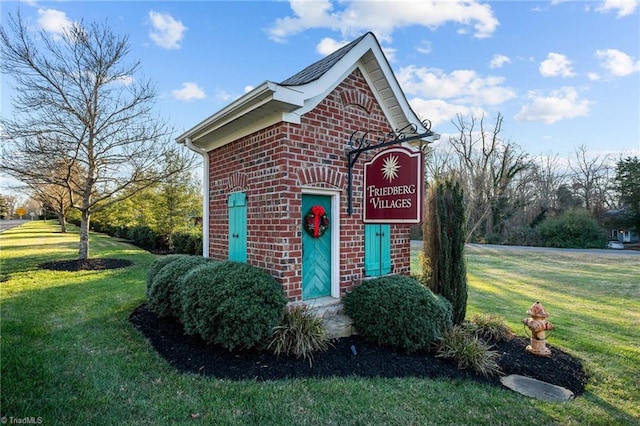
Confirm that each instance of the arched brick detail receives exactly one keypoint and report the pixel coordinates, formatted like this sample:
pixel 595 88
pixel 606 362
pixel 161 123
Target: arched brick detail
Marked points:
pixel 319 174
pixel 356 97
pixel 237 181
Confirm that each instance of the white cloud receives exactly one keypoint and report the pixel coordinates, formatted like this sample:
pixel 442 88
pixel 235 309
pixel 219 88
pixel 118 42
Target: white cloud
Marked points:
pixel 559 105
pixel 167 32
pixel 189 92
pixel 224 96
pixel 247 89
pixel 461 86
pixel 53 21
pixel 623 7
pixel 617 63
pixel 424 47
pixel 498 61
pixel 439 111
pixel 328 45
pixel 360 16
pixel 556 65
pixel 593 76
pixel 125 80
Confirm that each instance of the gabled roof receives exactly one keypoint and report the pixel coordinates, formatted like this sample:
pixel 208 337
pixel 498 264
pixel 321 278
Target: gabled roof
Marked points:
pixel 271 103
pixel 319 68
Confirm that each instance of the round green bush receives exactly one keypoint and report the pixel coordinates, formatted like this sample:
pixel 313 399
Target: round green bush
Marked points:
pixel 157 265
pixel 164 298
pixel 234 305
pixel 397 311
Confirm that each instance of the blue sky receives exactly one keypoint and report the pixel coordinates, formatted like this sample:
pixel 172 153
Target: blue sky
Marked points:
pixel 563 73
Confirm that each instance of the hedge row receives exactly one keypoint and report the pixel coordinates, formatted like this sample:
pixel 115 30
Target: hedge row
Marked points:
pixel 149 239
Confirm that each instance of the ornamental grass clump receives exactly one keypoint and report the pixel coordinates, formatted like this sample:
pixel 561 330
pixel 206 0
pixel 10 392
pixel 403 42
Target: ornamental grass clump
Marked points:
pixel 491 327
pixel 300 333
pixel 164 295
pixel 232 304
pixel 463 346
pixel 397 311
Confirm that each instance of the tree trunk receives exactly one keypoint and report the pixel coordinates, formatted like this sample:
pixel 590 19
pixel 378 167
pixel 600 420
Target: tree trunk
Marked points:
pixel 63 222
pixel 83 253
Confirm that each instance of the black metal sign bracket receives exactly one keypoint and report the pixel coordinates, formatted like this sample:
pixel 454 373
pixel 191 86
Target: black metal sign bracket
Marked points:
pixel 360 142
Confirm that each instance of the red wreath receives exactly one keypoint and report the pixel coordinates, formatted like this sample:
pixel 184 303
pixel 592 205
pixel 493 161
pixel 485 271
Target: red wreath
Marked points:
pixel 316 221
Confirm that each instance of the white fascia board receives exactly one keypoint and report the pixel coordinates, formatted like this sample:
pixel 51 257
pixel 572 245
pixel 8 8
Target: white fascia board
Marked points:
pixel 261 95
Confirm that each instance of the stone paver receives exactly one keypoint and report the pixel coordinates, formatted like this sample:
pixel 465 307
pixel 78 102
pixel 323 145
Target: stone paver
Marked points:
pixel 536 388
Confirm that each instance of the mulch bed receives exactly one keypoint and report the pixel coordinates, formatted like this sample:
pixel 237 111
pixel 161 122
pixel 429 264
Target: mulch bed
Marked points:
pixel 85 265
pixel 189 354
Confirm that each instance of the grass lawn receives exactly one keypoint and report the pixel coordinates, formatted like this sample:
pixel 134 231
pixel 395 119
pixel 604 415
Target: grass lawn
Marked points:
pixel 70 356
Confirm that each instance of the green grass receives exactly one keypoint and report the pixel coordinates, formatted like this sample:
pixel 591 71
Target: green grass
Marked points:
pixel 70 356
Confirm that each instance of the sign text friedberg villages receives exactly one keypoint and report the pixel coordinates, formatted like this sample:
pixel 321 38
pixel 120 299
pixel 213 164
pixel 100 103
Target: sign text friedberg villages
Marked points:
pixel 393 187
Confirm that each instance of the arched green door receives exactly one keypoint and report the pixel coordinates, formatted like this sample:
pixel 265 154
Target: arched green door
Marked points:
pixel 316 252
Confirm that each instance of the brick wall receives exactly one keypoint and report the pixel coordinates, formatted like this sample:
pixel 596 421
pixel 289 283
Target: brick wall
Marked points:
pixel 273 165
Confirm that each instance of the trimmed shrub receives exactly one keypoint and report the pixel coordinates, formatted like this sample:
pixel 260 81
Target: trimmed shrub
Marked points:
pixel 164 297
pixel 157 265
pixel 464 347
pixel 300 333
pixel 232 304
pixel 187 242
pixel 573 229
pixel 397 311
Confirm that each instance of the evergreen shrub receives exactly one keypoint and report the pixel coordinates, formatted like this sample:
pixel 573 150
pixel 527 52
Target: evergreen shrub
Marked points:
pixel 187 242
pixel 164 297
pixel 572 229
pixel 232 304
pixel 397 311
pixel 159 263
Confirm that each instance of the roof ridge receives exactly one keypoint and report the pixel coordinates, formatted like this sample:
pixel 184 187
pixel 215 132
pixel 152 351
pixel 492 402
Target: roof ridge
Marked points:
pixel 320 67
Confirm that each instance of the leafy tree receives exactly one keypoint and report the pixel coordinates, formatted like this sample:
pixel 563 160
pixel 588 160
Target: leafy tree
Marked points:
pixel 627 183
pixel 4 207
pixel 79 102
pixel 444 238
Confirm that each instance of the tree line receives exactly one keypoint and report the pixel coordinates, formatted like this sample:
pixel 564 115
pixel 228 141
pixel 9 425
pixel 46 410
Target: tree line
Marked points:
pixel 509 195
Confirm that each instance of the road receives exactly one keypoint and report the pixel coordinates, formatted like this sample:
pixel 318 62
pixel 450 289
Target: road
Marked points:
pixel 8 224
pixel 417 244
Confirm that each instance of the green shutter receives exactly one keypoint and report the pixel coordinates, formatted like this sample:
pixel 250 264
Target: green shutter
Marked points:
pixel 377 250
pixel 237 208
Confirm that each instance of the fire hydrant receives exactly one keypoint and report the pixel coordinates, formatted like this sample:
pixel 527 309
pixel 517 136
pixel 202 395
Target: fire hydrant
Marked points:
pixel 538 325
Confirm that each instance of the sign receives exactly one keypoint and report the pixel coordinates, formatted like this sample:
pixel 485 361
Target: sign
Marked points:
pixel 394 187
pixel 21 211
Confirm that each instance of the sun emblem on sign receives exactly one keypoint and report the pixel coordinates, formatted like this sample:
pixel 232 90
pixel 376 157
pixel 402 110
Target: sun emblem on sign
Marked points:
pixel 390 167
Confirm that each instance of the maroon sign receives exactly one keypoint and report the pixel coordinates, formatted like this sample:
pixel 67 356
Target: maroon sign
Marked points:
pixel 393 187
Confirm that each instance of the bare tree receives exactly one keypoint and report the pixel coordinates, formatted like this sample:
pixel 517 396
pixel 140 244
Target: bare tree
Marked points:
pixel 78 102
pixel 592 178
pixel 491 171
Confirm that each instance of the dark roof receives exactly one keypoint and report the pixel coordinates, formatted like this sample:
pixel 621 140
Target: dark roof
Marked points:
pixel 319 68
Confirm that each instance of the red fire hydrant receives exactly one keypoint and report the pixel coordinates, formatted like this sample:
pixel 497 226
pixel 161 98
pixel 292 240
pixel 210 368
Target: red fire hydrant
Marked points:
pixel 538 325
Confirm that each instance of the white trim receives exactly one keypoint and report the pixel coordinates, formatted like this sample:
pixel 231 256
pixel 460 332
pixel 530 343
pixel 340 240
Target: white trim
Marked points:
pixel 335 235
pixel 205 196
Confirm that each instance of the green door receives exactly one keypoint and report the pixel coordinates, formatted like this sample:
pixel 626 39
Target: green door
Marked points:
pixel 237 206
pixel 377 250
pixel 316 252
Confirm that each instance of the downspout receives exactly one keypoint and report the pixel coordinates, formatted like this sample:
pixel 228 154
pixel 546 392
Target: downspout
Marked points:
pixel 205 195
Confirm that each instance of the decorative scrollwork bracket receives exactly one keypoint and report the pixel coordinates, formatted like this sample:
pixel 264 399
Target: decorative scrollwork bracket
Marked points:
pixel 361 141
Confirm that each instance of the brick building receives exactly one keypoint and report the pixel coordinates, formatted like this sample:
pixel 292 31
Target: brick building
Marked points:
pixel 279 151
